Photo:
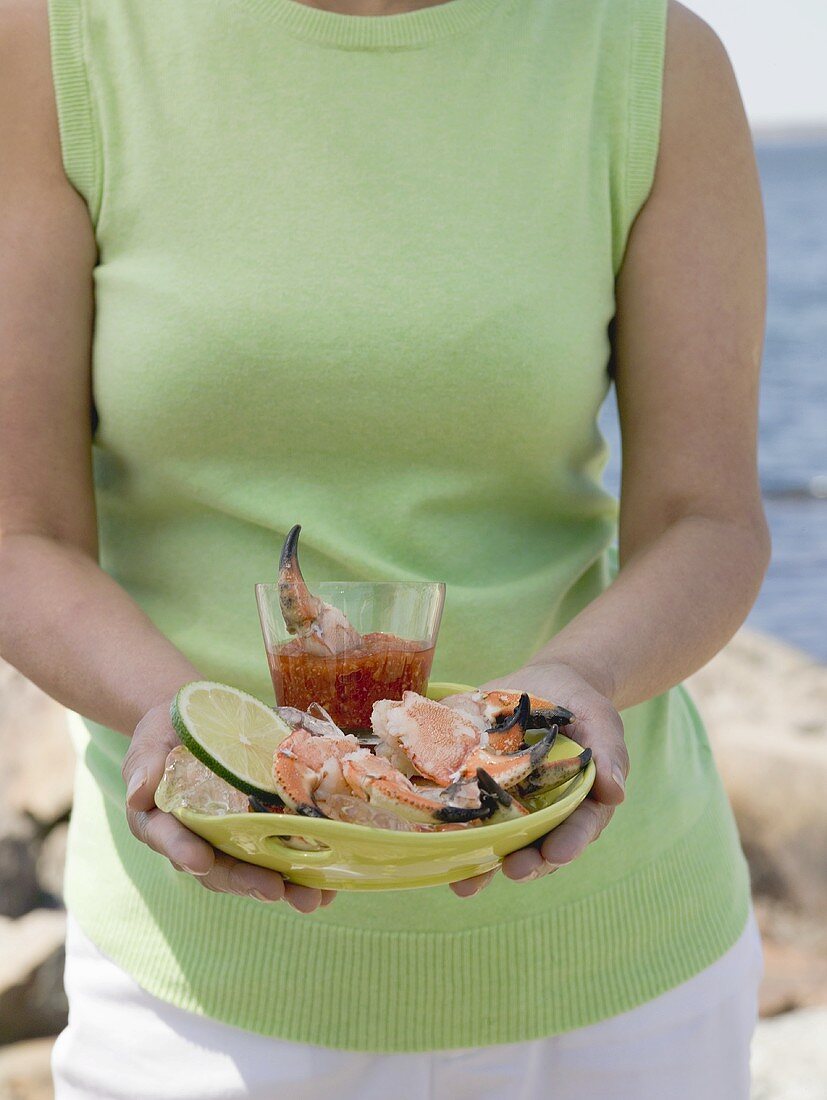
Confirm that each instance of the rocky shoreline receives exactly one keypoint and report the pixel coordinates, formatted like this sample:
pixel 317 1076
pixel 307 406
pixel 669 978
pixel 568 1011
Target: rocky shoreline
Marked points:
pixel 765 705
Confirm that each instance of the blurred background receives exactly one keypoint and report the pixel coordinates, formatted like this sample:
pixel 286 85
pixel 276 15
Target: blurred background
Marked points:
pixel 764 698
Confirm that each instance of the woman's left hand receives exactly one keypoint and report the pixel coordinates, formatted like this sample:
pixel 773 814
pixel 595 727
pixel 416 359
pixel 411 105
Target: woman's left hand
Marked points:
pixel 598 726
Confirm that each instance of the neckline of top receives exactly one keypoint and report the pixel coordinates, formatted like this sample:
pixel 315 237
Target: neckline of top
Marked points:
pixel 404 30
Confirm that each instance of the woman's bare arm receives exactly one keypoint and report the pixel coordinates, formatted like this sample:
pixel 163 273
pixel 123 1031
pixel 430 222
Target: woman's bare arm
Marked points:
pixel 693 538
pixel 64 622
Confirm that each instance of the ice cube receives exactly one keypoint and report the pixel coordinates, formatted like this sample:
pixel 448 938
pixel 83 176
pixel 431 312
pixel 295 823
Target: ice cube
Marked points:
pixel 189 784
pixel 344 807
pixel 315 720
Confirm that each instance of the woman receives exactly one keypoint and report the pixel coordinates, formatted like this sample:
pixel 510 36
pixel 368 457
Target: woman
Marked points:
pixel 368 266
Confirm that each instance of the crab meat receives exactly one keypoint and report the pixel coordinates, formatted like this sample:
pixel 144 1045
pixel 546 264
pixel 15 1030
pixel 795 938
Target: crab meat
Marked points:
pixel 436 740
pixel 324 629
pixel 387 742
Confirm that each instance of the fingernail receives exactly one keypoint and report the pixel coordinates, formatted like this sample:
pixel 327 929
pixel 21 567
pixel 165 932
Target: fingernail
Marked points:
pixel 261 897
pixel 619 777
pixel 137 781
pixel 531 875
pixel 192 871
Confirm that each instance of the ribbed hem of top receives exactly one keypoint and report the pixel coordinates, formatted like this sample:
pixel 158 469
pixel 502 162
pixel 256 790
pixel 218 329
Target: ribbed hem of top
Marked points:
pixel 76 123
pixel 645 101
pixel 406 30
pixel 266 970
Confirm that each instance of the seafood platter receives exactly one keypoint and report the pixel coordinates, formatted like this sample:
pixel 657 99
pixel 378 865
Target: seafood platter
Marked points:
pixel 366 776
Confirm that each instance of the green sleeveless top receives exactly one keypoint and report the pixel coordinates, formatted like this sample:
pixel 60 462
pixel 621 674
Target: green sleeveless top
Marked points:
pixel 357 272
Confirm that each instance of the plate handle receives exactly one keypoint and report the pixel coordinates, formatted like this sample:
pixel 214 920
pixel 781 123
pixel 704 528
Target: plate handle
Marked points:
pixel 275 843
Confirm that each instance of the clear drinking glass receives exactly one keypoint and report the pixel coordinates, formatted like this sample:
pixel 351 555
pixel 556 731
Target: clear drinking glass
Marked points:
pixel 399 623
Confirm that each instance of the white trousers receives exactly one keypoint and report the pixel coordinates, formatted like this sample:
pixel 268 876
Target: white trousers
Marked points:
pixel 121 1043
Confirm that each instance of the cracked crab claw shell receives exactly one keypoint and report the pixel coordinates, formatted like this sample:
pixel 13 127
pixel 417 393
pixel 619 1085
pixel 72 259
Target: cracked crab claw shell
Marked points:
pixel 510 735
pixel 413 805
pixel 508 770
pixel 553 773
pixel 307 768
pixel 497 707
pixel 376 779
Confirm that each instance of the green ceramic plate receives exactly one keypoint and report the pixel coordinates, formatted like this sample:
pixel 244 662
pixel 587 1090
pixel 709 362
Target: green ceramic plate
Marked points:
pixel 360 858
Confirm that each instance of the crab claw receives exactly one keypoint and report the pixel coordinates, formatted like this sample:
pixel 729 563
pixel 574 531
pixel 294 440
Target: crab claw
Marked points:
pixel 543 718
pixel 509 769
pixel 324 629
pixel 510 735
pixel 383 785
pixel 412 805
pixel 496 708
pixel 553 773
pixel 298 606
pixel 297 784
pixel 307 768
pixel 542 713
pixel 506 806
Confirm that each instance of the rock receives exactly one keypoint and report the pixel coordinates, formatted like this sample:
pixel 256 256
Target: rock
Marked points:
pixel 793 978
pixel 25 1070
pixel 765 706
pixel 19 845
pixel 789 1057
pixel 760 681
pixel 36 773
pixel 795 958
pixel 36 756
pixel 32 1001
pixel 50 862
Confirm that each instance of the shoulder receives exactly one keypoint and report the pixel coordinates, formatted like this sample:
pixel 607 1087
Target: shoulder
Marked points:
pixel 698 73
pixel 24 46
pixel 688 34
pixel 29 132
pixel 704 128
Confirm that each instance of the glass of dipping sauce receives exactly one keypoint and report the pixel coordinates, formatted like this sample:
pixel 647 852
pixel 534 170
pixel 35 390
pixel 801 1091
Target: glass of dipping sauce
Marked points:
pixel 398 623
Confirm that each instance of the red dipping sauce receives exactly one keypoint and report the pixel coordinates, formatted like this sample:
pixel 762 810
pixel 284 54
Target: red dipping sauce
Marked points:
pixel 348 684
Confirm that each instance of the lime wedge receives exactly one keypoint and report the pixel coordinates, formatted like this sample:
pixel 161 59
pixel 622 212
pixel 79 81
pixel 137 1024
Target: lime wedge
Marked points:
pixel 233 733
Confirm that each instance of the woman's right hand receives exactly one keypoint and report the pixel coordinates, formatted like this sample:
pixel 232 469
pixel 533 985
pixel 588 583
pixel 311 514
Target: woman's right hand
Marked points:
pixel 143 767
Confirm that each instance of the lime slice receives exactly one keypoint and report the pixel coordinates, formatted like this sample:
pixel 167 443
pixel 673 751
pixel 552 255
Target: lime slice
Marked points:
pixel 233 733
